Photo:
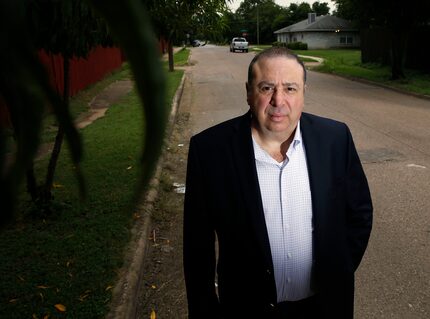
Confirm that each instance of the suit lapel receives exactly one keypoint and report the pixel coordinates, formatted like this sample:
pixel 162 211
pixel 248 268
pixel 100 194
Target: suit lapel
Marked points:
pixel 314 145
pixel 245 162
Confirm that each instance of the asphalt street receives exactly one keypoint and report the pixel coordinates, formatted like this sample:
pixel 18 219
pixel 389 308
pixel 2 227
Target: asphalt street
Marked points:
pixel 392 134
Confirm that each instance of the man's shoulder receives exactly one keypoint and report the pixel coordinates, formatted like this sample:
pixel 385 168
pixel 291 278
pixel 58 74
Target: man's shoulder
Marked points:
pixel 313 119
pixel 322 125
pixel 223 130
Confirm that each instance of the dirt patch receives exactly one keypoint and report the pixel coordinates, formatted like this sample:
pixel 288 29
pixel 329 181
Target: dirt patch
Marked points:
pixel 162 286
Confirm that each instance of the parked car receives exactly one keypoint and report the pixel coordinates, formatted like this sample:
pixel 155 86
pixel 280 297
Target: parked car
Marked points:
pixel 239 44
pixel 196 43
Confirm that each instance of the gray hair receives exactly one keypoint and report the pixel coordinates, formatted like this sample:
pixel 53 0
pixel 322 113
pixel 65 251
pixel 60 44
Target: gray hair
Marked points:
pixel 274 52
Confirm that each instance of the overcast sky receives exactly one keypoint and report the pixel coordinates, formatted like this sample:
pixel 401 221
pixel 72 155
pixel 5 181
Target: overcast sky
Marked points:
pixel 285 3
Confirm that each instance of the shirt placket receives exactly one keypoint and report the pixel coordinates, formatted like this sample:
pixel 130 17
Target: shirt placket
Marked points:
pixel 286 222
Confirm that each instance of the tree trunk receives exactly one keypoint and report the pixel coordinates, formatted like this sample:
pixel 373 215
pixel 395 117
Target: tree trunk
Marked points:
pixel 32 188
pixel 398 54
pixel 170 50
pixel 47 196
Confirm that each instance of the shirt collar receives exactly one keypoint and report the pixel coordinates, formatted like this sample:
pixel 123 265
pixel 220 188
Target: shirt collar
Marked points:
pixel 297 135
pixel 263 156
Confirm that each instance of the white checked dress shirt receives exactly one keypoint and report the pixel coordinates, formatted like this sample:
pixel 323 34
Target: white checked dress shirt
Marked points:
pixel 287 205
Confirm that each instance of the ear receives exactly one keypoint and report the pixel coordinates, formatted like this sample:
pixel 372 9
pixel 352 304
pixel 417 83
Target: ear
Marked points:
pixel 248 93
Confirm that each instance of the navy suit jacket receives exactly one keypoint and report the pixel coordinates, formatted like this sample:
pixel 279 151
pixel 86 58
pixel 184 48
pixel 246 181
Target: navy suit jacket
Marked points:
pixel 223 205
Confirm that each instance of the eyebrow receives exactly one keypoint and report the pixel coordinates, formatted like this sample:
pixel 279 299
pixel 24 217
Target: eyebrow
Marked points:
pixel 286 84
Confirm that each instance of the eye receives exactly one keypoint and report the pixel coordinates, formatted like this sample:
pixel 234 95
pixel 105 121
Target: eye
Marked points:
pixel 291 89
pixel 266 89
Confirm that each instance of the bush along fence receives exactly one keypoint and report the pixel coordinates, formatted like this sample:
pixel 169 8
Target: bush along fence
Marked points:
pixel 291 45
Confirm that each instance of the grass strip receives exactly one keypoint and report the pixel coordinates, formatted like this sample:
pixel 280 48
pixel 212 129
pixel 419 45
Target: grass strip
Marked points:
pixel 181 57
pixel 348 63
pixel 65 264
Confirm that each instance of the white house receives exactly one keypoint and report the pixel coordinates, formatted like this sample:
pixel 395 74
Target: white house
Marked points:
pixel 321 32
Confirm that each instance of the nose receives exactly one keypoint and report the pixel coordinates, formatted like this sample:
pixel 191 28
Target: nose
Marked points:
pixel 277 98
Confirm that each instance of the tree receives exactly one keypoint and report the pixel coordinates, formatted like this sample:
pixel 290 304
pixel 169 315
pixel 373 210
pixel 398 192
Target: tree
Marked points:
pixel 259 18
pixel 396 17
pixel 71 29
pixel 320 8
pixel 173 19
pixel 299 12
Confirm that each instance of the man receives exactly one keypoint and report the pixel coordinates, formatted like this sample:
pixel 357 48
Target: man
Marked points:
pixel 283 195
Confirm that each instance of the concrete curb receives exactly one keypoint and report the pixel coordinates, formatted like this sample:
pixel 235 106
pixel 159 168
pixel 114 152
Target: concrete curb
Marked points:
pixel 124 296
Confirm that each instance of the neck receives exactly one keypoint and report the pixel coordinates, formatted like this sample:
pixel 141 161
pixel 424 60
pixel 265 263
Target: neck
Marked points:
pixel 275 144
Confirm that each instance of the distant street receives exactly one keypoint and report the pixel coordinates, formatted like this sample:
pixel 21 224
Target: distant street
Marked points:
pixel 392 134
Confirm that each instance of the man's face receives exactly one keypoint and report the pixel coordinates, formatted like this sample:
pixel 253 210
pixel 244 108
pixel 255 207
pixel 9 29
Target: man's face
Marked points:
pixel 276 95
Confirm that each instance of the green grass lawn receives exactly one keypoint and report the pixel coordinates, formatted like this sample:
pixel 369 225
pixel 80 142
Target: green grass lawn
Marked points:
pixel 80 102
pixel 72 256
pixel 181 57
pixel 348 63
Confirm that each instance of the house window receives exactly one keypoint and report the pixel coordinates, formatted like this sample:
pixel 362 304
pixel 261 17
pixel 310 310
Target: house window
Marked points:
pixel 302 36
pixel 346 40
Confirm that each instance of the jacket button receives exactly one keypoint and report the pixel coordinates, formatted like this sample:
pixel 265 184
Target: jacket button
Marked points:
pixel 272 305
pixel 268 271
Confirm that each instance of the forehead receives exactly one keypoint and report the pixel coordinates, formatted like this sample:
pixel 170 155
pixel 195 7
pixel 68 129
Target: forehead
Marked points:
pixel 278 68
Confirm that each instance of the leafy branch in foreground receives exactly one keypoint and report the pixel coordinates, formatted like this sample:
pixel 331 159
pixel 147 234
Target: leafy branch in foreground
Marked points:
pixel 25 88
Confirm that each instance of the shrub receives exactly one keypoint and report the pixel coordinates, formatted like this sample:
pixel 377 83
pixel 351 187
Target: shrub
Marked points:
pixel 279 44
pixel 297 46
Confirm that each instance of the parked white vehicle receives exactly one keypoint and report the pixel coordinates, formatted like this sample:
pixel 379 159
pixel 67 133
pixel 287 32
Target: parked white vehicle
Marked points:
pixel 239 44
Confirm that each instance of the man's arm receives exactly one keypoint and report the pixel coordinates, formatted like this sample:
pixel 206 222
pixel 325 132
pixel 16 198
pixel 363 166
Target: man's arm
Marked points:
pixel 199 243
pixel 360 210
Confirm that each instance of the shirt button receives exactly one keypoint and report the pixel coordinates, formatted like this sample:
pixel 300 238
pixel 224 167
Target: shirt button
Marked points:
pixel 289 280
pixel 289 255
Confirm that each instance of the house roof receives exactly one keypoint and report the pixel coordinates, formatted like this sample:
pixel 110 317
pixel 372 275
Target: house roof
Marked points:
pixel 322 23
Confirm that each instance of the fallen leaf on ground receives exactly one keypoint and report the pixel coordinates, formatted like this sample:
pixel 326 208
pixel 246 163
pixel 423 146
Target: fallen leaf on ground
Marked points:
pixel 43 287
pixel 60 307
pixel 153 315
pixel 109 287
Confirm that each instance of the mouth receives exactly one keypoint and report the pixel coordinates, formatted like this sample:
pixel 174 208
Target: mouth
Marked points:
pixel 277 117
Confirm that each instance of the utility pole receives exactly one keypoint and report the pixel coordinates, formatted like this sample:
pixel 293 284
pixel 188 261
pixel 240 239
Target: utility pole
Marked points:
pixel 258 25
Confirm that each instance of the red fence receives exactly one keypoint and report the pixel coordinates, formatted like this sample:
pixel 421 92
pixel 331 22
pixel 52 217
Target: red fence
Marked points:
pixel 83 72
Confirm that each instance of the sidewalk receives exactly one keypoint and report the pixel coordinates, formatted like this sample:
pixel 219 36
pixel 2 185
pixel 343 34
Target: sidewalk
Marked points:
pixel 110 95
pixel 99 105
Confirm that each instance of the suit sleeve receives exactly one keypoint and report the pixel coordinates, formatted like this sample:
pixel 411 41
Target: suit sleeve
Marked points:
pixel 199 242
pixel 359 205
